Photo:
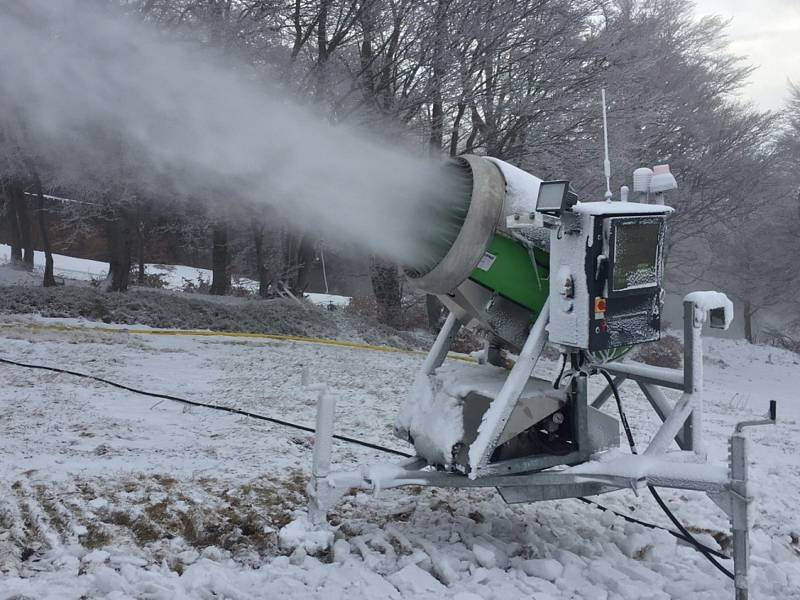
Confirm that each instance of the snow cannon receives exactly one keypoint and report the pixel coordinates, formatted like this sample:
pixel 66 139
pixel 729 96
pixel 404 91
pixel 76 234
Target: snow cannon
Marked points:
pixel 528 265
pixel 493 276
pixel 530 262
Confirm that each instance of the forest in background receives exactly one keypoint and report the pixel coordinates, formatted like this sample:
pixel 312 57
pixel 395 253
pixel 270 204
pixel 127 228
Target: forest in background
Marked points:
pixel 516 80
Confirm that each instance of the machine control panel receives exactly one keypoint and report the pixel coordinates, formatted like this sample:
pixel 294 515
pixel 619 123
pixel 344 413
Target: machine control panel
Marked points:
pixel 607 264
pixel 624 279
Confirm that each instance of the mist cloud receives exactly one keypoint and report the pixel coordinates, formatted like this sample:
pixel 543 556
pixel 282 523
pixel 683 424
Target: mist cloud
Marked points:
pixel 87 81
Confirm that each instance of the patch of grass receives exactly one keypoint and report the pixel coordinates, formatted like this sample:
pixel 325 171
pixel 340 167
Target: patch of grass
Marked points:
pixel 642 552
pixel 477 516
pixel 120 518
pixel 96 536
pixel 166 481
pixel 158 511
pixel 26 553
pixel 177 566
pixel 666 352
pixel 242 520
pixel 49 506
pixel 145 531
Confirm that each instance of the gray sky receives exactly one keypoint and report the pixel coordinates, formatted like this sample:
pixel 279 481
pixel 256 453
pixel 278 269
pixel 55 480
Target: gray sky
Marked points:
pixel 767 32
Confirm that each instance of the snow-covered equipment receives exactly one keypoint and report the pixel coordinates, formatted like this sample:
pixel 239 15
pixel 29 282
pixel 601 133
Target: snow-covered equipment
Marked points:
pixel 500 277
pixel 531 265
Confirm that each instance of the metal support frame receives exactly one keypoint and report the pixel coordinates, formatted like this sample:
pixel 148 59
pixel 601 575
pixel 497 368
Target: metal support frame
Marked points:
pixel 738 506
pixel 580 408
pixel 503 404
pixel 444 341
pixel 526 480
pixel 662 407
pixel 683 421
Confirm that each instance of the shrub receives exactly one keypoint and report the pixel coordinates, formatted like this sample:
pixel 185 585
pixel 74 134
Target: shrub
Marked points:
pixel 363 305
pixel 780 339
pixel 666 352
pixel 151 280
pixel 201 286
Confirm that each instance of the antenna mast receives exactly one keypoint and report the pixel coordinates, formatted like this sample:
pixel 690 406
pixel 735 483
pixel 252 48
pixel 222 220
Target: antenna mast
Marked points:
pixel 606 161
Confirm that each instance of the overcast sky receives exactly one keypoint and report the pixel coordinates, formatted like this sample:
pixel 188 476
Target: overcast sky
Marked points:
pixel 768 33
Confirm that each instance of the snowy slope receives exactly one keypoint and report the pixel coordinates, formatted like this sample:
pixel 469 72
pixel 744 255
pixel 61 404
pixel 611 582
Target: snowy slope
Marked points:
pixel 106 494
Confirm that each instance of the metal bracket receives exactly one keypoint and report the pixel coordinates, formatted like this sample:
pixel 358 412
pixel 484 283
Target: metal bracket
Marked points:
pixel 770 418
pixel 740 500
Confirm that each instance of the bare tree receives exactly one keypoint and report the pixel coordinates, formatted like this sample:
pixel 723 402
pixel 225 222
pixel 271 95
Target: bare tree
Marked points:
pixel 48 278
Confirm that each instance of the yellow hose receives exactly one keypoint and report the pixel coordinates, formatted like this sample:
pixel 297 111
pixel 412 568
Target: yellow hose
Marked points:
pixel 239 334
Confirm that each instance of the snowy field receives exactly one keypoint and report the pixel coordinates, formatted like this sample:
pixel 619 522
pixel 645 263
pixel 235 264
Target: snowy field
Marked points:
pixel 108 494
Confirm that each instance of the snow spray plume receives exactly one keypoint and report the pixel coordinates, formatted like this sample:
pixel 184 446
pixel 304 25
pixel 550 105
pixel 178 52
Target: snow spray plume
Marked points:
pixel 96 89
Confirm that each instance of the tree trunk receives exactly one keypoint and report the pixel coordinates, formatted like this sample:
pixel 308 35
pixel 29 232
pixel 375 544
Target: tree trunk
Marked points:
pixel 13 222
pixel 119 263
pixel 748 322
pixel 221 277
pixel 140 253
pixel 23 223
pixel 437 109
pixel 288 275
pixel 305 262
pixel 455 132
pixel 388 292
pixel 433 309
pixel 48 280
pixel 263 272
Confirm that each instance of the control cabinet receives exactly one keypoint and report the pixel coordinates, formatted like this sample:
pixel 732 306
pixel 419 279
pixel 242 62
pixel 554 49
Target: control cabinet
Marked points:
pixel 607 265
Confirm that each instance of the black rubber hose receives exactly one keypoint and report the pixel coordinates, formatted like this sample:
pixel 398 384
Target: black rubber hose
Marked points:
pixel 631 442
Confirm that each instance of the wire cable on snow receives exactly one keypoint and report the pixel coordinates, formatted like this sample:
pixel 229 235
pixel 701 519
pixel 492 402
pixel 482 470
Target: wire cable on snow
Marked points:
pixel 704 550
pixel 343 438
pixel 228 409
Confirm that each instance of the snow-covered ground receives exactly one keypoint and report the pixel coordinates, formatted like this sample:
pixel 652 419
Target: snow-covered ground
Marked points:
pixel 108 494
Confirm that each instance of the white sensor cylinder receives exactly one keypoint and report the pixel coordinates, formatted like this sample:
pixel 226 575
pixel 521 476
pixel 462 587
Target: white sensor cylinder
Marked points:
pixel 641 180
pixel 623 193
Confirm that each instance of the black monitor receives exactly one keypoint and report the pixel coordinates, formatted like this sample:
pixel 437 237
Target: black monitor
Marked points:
pixel 635 254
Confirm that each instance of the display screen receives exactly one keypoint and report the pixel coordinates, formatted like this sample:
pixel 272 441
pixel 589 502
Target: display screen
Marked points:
pixel 635 255
pixel 551 195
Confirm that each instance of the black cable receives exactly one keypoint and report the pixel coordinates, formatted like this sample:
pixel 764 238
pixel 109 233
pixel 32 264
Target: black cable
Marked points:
pixel 557 381
pixel 228 409
pixel 305 428
pixel 624 419
pixel 631 519
pixel 663 505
